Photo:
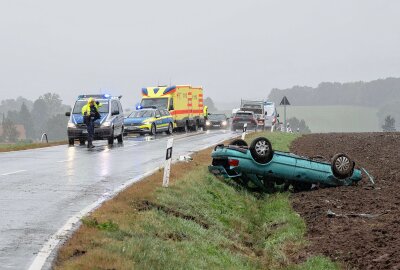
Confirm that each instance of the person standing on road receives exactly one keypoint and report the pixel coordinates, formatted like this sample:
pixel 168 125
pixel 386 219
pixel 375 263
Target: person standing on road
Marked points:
pixel 90 114
pixel 205 112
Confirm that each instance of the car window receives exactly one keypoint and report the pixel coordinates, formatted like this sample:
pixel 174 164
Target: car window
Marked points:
pixel 80 103
pixel 120 107
pixel 114 106
pixel 217 117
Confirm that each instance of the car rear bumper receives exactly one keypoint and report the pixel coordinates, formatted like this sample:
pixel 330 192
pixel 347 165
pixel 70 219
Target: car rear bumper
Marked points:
pixel 81 133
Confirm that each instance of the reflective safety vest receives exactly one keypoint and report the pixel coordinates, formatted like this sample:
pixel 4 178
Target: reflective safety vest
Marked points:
pixel 86 108
pixel 205 111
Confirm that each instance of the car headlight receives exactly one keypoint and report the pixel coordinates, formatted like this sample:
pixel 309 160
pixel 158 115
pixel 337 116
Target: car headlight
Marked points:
pixel 208 123
pixel 71 125
pixel 224 123
pixel 106 124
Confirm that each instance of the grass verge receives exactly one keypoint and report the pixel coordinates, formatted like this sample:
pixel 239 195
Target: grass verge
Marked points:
pixel 26 146
pixel 199 222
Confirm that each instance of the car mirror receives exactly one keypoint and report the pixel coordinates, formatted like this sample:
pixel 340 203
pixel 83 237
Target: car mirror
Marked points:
pixel 158 116
pixel 277 115
pixel 114 113
pixel 68 114
pixel 171 107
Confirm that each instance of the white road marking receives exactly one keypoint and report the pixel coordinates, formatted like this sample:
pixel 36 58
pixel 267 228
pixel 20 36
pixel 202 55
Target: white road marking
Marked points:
pixel 62 233
pixel 62 161
pixel 10 173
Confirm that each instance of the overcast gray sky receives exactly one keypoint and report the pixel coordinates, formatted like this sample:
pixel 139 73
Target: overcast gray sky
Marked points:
pixel 233 49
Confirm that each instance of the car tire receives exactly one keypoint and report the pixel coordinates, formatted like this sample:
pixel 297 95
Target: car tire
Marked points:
pixel 342 166
pixel 71 142
pixel 153 129
pixel 111 138
pixel 120 138
pixel 261 150
pixel 238 142
pixel 170 129
pixel 186 127
pixel 196 126
pixel 81 142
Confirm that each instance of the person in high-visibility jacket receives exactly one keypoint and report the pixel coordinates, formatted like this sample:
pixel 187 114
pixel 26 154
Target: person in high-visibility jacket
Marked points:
pixel 205 112
pixel 90 113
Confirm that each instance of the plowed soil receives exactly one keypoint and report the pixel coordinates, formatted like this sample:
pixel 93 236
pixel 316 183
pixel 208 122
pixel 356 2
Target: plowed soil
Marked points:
pixel 355 241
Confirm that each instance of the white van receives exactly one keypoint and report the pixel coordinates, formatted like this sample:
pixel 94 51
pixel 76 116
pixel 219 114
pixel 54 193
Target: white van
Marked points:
pixel 271 115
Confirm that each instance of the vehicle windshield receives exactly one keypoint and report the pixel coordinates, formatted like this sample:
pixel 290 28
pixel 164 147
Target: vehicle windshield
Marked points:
pixel 141 114
pixel 161 103
pixel 80 103
pixel 244 115
pixel 217 117
pixel 269 111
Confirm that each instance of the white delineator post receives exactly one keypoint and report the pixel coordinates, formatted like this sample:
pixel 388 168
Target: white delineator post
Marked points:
pixel 244 131
pixel 168 160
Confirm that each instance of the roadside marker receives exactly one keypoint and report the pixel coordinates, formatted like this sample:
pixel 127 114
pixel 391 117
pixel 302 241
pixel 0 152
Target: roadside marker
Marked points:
pixel 168 160
pixel 244 131
pixel 284 102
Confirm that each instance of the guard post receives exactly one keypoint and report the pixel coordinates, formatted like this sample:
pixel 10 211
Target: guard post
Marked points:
pixel 168 160
pixel 244 131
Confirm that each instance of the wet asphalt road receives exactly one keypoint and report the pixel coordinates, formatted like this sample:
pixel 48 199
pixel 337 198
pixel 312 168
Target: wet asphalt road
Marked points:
pixel 41 189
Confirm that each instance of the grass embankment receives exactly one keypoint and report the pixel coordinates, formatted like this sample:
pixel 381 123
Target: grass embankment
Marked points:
pixel 199 222
pixel 27 145
pixel 335 118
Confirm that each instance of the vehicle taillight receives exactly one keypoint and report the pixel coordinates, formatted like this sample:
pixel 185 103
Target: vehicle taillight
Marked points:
pixel 233 162
pixel 235 119
pixel 254 121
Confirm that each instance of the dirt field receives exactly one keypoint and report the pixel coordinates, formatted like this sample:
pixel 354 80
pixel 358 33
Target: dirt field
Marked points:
pixel 356 242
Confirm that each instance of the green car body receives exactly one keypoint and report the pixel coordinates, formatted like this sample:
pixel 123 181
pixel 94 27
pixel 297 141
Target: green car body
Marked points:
pixel 238 163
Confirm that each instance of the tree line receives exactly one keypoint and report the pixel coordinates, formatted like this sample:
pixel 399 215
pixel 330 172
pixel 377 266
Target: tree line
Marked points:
pixel 44 115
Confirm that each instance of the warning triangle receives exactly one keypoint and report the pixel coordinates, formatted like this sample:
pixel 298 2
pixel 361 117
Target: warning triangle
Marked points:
pixel 285 101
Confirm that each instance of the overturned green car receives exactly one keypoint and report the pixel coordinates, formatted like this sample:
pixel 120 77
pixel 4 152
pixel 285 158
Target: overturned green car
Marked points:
pixel 260 165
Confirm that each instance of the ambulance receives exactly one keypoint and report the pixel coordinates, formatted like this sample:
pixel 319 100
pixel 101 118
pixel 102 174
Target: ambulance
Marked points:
pixel 184 102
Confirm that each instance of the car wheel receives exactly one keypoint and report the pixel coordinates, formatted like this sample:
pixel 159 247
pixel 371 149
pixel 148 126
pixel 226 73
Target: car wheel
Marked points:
pixel 120 138
pixel 196 126
pixel 170 129
pixel 342 166
pixel 261 150
pixel 186 127
pixel 153 129
pixel 82 141
pixel 239 142
pixel 111 138
pixel 71 142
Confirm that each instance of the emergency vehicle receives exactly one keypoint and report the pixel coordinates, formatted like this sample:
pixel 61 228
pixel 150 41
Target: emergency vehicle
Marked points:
pixel 184 102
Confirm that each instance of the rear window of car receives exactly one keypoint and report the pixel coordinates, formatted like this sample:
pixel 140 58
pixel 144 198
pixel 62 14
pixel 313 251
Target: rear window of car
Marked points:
pixel 244 115
pixel 141 114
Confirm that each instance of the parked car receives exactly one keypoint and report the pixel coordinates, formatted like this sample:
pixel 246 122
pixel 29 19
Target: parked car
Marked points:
pixel 109 127
pixel 262 166
pixel 244 117
pixel 150 121
pixel 219 121
pixel 271 114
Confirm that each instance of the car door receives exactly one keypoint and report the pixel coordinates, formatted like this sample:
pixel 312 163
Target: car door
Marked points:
pixel 158 121
pixel 115 117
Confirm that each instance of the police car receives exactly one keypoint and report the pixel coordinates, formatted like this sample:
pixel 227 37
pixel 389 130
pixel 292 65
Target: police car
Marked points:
pixel 149 120
pixel 109 127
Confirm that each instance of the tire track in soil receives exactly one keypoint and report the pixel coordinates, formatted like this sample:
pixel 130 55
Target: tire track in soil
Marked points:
pixel 355 242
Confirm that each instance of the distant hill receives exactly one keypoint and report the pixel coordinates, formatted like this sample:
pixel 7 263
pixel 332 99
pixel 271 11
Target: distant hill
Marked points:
pixel 375 93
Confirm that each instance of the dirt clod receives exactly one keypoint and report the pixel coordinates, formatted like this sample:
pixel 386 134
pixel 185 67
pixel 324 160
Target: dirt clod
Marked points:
pixel 356 242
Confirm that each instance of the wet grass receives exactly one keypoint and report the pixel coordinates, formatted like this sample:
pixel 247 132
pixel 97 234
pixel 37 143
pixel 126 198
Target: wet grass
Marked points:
pixel 199 222
pixel 7 147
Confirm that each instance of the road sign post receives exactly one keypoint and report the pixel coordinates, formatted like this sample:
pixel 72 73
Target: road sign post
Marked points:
pixel 168 160
pixel 244 131
pixel 284 102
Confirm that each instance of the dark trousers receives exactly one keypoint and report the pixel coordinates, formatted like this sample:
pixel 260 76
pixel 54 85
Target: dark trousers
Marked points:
pixel 90 130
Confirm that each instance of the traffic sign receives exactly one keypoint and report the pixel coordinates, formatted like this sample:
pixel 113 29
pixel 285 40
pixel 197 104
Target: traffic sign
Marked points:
pixel 285 101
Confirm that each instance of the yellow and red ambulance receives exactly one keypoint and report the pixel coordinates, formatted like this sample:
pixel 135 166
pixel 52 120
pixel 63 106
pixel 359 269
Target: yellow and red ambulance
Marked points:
pixel 185 103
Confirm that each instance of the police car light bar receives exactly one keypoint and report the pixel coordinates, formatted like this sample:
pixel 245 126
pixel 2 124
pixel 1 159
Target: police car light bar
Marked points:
pixel 106 96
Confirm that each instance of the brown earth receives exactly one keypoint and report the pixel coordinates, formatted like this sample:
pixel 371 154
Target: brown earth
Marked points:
pixel 356 242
